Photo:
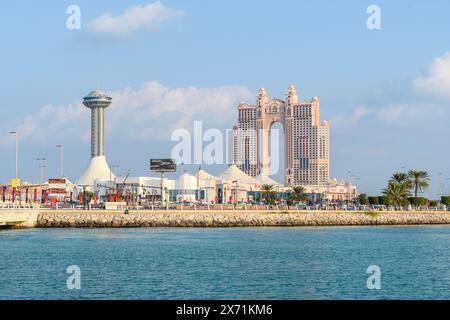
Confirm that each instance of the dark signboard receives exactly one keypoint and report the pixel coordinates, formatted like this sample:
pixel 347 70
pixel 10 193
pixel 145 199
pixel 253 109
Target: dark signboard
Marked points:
pixel 57 181
pixel 163 165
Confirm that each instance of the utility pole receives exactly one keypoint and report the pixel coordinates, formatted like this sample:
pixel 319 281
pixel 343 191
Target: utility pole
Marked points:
pixel 16 134
pixel 61 147
pixel 162 188
pixel 41 167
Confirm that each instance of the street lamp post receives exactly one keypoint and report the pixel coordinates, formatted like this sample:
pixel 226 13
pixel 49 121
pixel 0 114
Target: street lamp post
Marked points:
pixel 17 152
pixel 110 177
pixel 41 167
pixel 111 167
pixel 61 147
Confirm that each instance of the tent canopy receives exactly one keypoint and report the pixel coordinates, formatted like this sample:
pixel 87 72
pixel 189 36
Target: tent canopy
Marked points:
pixel 234 173
pixel 263 179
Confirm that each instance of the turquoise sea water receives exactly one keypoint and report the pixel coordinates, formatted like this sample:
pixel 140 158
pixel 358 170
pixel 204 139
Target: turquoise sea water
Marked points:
pixel 244 263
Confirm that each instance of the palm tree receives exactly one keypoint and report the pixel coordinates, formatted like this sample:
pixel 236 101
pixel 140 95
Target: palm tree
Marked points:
pixel 419 180
pixel 268 191
pixel 402 178
pixel 397 193
pixel 298 194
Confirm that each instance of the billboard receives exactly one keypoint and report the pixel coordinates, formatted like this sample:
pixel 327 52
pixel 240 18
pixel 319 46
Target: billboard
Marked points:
pixel 56 191
pixel 163 165
pixel 59 181
pixel 57 187
pixel 15 183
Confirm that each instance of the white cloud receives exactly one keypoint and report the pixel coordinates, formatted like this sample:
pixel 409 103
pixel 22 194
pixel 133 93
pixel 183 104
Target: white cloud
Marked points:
pixel 148 113
pixel 154 110
pixel 134 19
pixel 405 114
pixel 392 114
pixel 347 120
pixel 413 114
pixel 437 80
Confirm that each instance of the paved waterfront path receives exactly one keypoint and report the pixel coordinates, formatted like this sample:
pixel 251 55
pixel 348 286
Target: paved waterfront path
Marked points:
pixel 214 219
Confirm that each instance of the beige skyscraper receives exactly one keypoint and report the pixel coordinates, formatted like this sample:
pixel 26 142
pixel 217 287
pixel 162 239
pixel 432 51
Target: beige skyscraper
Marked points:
pixel 306 140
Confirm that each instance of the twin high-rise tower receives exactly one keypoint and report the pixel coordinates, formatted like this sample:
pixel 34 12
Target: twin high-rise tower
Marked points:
pixel 306 139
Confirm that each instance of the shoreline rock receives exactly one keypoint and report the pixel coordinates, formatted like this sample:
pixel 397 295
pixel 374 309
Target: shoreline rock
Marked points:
pixel 222 219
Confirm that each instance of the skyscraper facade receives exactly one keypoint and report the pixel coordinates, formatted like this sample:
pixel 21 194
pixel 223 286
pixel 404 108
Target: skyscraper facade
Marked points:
pixel 306 139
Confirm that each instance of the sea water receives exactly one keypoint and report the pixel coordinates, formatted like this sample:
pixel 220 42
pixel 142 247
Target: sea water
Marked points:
pixel 235 263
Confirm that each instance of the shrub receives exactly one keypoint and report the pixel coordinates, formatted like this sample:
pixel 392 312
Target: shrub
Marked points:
pixel 405 202
pixel 445 200
pixel 374 200
pixel 362 199
pixel 434 203
pixel 384 200
pixel 420 201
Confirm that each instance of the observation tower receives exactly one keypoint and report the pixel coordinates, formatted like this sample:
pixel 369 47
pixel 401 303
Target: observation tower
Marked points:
pixel 97 101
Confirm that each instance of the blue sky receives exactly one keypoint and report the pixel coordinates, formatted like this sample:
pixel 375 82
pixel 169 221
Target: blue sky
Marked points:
pixel 385 93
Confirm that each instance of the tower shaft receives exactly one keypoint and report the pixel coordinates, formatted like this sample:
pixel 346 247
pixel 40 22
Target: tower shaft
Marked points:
pixel 97 132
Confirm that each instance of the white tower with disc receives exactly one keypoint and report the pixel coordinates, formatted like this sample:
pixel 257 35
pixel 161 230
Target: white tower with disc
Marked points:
pixel 97 101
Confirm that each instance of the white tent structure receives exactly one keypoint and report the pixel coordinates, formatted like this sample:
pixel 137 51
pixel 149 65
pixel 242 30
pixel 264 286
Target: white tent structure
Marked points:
pixel 263 179
pixel 97 169
pixel 206 182
pixel 203 175
pixel 233 173
pixel 205 179
pixel 186 185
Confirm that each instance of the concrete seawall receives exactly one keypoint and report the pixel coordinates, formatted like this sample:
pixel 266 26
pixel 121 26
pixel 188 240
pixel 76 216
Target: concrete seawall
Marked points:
pixel 16 218
pixel 210 219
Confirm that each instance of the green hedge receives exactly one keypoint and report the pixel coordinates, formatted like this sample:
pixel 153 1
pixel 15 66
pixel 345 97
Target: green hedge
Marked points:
pixel 421 201
pixel 445 200
pixel 384 200
pixel 362 199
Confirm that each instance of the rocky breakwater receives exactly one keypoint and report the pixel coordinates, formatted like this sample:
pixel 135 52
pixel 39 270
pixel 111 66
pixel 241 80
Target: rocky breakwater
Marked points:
pixel 215 219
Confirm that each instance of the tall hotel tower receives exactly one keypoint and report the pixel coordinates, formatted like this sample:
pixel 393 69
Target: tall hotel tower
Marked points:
pixel 98 169
pixel 306 140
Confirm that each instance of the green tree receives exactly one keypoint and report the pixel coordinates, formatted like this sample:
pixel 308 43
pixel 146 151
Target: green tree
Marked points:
pixel 397 193
pixel 445 200
pixel 434 203
pixel 374 200
pixel 420 181
pixel 363 200
pixel 384 200
pixel 401 178
pixel 419 201
pixel 298 194
pixel 268 191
